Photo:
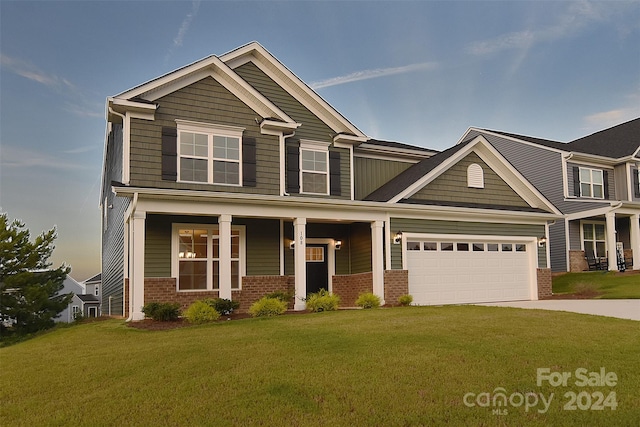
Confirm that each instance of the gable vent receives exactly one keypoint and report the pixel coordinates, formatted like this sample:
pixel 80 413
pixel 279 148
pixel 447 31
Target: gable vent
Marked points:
pixel 475 176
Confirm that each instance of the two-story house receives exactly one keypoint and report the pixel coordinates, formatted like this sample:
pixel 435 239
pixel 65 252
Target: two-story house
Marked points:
pixel 593 181
pixel 231 178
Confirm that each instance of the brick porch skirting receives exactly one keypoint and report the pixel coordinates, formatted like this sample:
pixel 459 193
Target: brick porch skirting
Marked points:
pixel 544 283
pixel 349 286
pixel 396 284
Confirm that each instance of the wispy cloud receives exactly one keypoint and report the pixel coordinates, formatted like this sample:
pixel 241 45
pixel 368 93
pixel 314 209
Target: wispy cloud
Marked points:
pixel 31 72
pixel 578 16
pixel 17 157
pixel 184 28
pixel 628 111
pixel 372 74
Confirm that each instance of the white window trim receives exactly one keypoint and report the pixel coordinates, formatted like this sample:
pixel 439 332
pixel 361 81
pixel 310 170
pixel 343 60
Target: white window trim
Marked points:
pixel 591 183
pixel 582 224
pixel 175 249
pixel 210 130
pixel 317 146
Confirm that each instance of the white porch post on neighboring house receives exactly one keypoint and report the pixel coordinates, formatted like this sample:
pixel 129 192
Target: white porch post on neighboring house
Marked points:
pixel 224 236
pixel 300 262
pixel 136 278
pixel 377 259
pixel 611 240
pixel 635 240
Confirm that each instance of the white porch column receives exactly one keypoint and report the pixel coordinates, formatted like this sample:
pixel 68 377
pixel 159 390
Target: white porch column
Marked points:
pixel 635 240
pixel 377 259
pixel 136 278
pixel 224 236
pixel 611 241
pixel 300 262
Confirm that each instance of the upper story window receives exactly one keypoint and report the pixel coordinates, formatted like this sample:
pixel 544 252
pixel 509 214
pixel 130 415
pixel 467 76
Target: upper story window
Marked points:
pixel 314 167
pixel 210 154
pixel 475 176
pixel 591 183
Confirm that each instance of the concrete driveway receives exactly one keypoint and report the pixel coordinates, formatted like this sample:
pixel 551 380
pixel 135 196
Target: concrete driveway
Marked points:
pixel 620 308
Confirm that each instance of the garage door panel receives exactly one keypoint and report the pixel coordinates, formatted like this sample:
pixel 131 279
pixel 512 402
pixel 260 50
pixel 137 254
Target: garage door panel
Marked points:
pixel 455 277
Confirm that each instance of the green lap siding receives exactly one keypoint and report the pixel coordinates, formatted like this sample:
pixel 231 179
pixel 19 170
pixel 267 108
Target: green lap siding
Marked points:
pixel 460 227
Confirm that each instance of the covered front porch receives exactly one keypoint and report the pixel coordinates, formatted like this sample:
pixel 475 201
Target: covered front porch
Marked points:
pixel 185 250
pixel 605 238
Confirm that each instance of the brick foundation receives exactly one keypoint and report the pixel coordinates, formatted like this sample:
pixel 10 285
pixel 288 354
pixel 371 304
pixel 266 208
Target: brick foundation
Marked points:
pixel 255 287
pixel 544 283
pixel 396 284
pixel 577 261
pixel 349 286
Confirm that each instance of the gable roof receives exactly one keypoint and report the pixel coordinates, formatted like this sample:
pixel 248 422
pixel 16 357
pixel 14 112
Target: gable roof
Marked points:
pixel 619 141
pixel 403 186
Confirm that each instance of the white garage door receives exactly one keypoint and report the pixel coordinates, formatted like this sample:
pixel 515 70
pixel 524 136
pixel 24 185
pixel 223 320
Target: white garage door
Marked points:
pixel 468 270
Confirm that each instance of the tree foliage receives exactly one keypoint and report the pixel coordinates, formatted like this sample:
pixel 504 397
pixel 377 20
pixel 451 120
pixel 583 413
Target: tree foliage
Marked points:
pixel 29 288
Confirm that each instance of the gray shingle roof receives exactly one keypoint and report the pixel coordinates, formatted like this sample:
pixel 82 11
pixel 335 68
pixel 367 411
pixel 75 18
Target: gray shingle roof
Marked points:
pixel 398 145
pixel 619 141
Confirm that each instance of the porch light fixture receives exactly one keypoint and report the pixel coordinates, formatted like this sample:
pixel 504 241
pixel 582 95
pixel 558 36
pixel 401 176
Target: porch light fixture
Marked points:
pixel 397 238
pixel 292 245
pixel 338 245
pixel 542 241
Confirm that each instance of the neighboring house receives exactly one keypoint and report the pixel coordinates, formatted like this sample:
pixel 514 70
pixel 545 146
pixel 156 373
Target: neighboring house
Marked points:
pixel 92 295
pixel 70 285
pixel 231 178
pixel 593 181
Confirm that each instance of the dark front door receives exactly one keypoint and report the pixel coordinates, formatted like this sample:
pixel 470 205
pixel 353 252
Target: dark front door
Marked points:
pixel 317 268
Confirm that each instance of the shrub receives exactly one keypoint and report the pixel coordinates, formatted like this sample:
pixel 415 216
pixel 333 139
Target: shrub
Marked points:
pixel 267 307
pixel 201 312
pixel 368 300
pixel 162 311
pixel 284 296
pixel 405 300
pixel 322 300
pixel 223 306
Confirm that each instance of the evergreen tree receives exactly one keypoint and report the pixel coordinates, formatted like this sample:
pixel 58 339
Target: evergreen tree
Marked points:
pixel 29 288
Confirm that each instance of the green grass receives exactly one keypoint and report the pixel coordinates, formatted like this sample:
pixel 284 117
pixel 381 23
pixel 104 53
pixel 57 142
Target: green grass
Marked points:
pixel 608 285
pixel 386 367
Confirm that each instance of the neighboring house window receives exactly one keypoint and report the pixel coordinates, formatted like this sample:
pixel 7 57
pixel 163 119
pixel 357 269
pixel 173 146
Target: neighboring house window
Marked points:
pixel 591 183
pixel 210 154
pixel 594 239
pixel 314 167
pixel 198 257
pixel 475 176
pixel 96 290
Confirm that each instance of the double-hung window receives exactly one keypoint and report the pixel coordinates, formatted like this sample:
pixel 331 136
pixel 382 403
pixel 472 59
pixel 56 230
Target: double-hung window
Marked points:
pixel 591 183
pixel 594 239
pixel 314 167
pixel 210 154
pixel 197 256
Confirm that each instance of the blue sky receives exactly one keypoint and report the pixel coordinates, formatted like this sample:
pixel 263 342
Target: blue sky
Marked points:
pixel 414 72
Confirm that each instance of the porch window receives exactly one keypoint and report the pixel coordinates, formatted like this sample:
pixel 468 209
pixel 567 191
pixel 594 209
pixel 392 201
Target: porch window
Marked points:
pixel 314 167
pixel 594 239
pixel 198 257
pixel 591 183
pixel 209 154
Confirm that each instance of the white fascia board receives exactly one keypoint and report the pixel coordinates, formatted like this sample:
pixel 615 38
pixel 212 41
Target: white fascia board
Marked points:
pixel 511 138
pixel 364 149
pixel 270 126
pixel 198 202
pixel 593 212
pixel 285 78
pixel 596 160
pixel 343 138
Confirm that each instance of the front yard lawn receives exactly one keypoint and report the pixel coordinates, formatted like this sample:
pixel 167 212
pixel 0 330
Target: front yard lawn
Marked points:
pixel 383 367
pixel 599 284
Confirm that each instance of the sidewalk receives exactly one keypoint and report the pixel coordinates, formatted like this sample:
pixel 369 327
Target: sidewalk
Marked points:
pixel 620 308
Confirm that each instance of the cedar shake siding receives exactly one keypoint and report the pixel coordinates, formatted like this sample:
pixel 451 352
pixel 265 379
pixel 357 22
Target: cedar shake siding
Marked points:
pixel 205 101
pixel 452 186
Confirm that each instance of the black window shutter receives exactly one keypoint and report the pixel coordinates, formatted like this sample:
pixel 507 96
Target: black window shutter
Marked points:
pixel 248 162
pixel 334 173
pixel 169 153
pixel 605 183
pixel 576 181
pixel 636 182
pixel 293 169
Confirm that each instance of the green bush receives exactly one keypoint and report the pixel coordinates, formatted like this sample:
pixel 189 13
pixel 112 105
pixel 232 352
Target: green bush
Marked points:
pixel 223 306
pixel 368 300
pixel 201 312
pixel 322 300
pixel 267 307
pixel 162 311
pixel 284 296
pixel 405 300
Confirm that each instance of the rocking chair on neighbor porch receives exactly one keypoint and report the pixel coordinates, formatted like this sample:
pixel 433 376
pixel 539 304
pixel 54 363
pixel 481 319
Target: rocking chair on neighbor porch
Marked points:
pixel 596 263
